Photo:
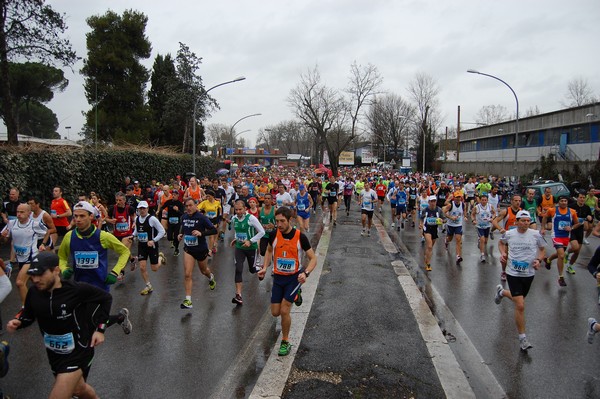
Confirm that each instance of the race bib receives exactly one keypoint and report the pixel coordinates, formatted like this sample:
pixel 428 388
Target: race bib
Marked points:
pixel 173 220
pixel 86 259
pixel 367 204
pixel 520 266
pixel 241 237
pixel 286 265
pixel 211 214
pixel 52 212
pixel 122 227
pixel 563 224
pixel 61 344
pixel 190 241
pixel 431 221
pixel 279 203
pixel 21 251
pixel 332 193
pixel 143 237
pixel 301 207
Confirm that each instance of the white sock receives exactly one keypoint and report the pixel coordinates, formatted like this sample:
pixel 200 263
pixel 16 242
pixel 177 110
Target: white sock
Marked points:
pixel 522 336
pixel 188 297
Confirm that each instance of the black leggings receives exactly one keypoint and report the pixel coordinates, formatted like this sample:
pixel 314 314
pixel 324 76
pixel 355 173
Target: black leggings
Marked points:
pixel 314 196
pixel 347 201
pixel 240 256
pixel 173 234
pixel 594 262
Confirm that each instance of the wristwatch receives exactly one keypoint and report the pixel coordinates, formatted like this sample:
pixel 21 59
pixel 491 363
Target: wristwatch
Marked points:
pixel 306 273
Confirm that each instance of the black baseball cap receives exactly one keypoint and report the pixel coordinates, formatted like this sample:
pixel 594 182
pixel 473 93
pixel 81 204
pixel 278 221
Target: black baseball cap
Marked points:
pixel 44 261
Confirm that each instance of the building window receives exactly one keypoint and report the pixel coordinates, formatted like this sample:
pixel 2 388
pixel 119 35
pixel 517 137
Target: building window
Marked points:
pixel 579 134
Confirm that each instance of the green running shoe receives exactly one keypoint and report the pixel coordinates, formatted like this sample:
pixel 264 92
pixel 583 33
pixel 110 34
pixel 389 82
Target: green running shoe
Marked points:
pixel 212 283
pixel 570 269
pixel 285 348
pixel 186 304
pixel 298 298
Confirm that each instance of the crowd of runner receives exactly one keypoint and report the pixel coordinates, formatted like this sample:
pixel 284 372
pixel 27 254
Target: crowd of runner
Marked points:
pixel 268 213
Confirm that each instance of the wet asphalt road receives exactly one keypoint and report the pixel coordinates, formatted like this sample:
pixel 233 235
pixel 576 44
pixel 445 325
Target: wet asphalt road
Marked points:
pixel 209 350
pixel 561 364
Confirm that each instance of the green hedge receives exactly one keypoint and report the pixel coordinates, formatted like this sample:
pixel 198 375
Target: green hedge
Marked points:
pixel 36 171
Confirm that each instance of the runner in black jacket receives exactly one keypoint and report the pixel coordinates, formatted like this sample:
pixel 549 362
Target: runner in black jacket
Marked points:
pixel 72 318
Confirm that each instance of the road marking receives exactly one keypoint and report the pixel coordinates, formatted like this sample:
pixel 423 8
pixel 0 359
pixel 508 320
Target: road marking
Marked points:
pixel 453 380
pixel 447 363
pixel 272 379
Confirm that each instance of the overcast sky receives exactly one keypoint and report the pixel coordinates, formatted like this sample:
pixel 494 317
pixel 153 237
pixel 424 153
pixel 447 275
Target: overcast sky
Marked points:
pixel 536 46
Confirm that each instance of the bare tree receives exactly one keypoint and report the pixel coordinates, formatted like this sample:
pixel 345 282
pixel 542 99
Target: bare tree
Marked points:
pixel 424 91
pixel 490 114
pixel 532 111
pixel 289 136
pixel 316 105
pixel 389 122
pixel 578 93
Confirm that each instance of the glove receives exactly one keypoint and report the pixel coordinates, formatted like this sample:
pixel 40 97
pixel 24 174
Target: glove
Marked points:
pixel 67 273
pixel 111 278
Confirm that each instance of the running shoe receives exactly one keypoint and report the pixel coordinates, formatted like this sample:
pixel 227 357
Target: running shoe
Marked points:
pixel 362 233
pixel 524 344
pixel 499 295
pixel 402 225
pixel 147 290
pixel 212 283
pixel 222 236
pixel 398 228
pixel 125 324
pixel 459 259
pixel 163 258
pixel 347 213
pixel 186 304
pixel 491 235
pixel 566 257
pixel 368 233
pixel 503 276
pixel 176 252
pixel 444 230
pixel 412 224
pixel 172 245
pixel 298 298
pixel 547 263
pixel 134 263
pixel 335 223
pixel 237 299
pixel 482 258
pixel 428 267
pixel 590 333
pixel 586 242
pixel 4 351
pixel 393 225
pixel 562 282
pixel 214 250
pixel 570 269
pixel 422 240
pixel 284 348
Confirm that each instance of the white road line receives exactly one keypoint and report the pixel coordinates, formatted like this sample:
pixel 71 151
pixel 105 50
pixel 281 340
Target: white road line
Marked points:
pixel 272 379
pixel 453 380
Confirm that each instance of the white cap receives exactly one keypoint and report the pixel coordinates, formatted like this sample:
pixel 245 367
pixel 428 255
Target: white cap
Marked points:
pixel 432 198
pixel 87 207
pixel 523 214
pixel 143 204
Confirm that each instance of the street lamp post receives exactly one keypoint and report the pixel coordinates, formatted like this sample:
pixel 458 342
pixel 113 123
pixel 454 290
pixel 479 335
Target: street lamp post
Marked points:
pixel 422 131
pixel 235 136
pixel 68 128
pixel 236 122
pixel 517 119
pixel 204 93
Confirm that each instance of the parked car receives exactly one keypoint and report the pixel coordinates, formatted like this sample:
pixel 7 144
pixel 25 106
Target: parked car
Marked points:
pixel 558 189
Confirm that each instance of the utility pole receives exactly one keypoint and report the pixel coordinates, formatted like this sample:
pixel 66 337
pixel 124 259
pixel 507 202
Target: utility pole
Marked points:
pixel 458 136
